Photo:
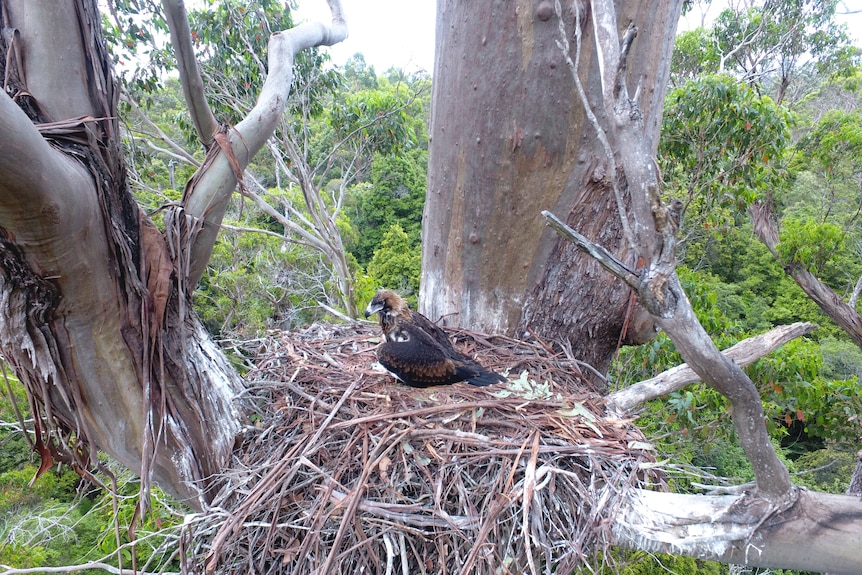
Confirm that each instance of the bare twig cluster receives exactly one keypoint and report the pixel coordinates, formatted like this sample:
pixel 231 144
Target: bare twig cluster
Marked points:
pixel 347 471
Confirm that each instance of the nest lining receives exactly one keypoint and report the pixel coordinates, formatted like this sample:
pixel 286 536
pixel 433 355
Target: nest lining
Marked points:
pixel 347 471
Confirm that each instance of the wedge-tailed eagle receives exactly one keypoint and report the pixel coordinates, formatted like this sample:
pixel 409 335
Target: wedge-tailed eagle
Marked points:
pixel 417 351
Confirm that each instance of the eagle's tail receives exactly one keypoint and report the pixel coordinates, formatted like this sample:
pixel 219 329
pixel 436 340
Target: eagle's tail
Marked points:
pixel 483 378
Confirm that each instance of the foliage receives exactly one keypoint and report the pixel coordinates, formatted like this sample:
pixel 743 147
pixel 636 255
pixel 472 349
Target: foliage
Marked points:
pixel 397 264
pixel 257 281
pixel 14 449
pixel 62 520
pixel 377 117
pixel 643 563
pixel 798 399
pixel 842 359
pixel 811 244
pixel 231 38
pixel 827 470
pixel 779 43
pixel 694 54
pixel 395 194
pixel 720 150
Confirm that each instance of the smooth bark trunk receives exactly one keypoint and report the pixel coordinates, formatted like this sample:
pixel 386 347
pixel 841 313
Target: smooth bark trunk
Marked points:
pixel 509 138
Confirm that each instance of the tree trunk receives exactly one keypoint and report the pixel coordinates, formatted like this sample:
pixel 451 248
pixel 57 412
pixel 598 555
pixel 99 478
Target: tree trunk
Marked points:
pixel 96 302
pixel 509 138
pixel 93 321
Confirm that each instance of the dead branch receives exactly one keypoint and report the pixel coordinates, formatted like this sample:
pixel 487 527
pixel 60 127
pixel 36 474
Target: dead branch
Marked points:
pixel 743 354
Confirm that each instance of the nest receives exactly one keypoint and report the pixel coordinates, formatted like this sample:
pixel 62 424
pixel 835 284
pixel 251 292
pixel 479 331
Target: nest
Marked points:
pixel 344 470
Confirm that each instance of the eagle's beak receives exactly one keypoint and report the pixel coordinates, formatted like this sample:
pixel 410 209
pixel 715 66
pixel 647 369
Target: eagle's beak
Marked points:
pixel 373 308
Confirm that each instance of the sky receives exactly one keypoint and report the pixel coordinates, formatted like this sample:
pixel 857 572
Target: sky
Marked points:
pixel 388 33
pixel 400 33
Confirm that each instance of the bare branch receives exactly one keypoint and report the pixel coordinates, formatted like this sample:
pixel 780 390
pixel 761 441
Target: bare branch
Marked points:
pixel 743 354
pixel 663 297
pixel 857 289
pixel 563 44
pixel 600 254
pixel 176 151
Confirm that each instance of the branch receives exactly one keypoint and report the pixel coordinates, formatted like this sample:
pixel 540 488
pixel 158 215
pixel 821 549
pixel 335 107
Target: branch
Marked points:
pixel 743 354
pixel 190 76
pixel 207 194
pixel 857 289
pixel 600 254
pixel 31 172
pixel 831 303
pixel 661 294
pixel 819 533
pixel 176 150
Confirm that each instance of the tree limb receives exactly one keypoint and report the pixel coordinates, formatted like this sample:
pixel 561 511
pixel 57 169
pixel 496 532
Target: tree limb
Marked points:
pixel 31 170
pixel 830 302
pixel 742 530
pixel 190 76
pixel 206 196
pixel 743 354
pixel 663 297
pixel 600 254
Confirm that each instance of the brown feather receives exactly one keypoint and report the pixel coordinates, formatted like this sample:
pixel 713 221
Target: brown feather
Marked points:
pixel 417 351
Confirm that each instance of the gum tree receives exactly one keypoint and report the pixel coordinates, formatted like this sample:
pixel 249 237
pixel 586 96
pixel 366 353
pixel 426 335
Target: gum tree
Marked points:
pixel 97 320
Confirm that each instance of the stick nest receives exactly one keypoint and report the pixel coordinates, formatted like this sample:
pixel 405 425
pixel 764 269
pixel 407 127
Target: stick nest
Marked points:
pixel 345 470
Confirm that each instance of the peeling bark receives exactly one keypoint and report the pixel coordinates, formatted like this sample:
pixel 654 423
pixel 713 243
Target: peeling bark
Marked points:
pixel 740 529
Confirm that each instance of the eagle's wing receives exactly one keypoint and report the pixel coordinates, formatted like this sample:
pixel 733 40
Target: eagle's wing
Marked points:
pixel 433 330
pixel 415 357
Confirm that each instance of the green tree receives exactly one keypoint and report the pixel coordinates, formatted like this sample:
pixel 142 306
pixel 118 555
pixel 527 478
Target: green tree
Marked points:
pixel 776 46
pixel 394 194
pixel 397 264
pixel 722 148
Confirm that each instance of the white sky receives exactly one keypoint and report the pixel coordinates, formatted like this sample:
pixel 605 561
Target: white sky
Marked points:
pixel 388 33
pixel 400 33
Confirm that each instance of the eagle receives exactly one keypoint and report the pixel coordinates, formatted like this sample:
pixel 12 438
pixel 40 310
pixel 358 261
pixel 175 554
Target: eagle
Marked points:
pixel 417 351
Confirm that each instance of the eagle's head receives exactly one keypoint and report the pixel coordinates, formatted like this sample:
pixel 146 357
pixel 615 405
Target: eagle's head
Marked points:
pixel 387 303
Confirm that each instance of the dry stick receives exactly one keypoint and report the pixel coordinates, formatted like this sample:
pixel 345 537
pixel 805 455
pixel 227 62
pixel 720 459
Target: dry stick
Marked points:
pixel 529 487
pixel 423 411
pixel 743 353
pixel 376 456
pixel 232 524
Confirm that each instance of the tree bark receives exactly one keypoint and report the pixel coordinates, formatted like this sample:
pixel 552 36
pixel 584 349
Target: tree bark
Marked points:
pixel 108 349
pixel 96 302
